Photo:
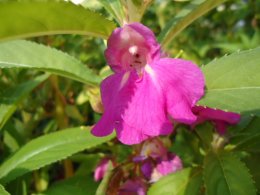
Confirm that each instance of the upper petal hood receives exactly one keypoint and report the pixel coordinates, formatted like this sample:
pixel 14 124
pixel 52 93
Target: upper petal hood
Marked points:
pixel 130 35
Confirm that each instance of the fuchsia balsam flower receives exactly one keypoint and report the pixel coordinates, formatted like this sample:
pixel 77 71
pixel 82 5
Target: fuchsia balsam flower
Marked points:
pixel 158 162
pixel 146 89
pixel 153 148
pixel 134 186
pixel 220 118
pixel 170 164
pixel 101 169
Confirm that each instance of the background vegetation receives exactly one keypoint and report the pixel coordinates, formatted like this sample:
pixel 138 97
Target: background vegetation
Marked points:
pixel 44 91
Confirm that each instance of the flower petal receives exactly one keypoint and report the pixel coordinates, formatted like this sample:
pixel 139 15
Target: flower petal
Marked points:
pixel 109 90
pixel 134 186
pixel 183 84
pixel 153 148
pixel 221 127
pixel 143 113
pixel 166 166
pixel 104 126
pixel 137 107
pixel 220 118
pixel 134 106
pixel 147 169
pixel 122 39
pixel 216 114
pixel 101 169
pixel 149 37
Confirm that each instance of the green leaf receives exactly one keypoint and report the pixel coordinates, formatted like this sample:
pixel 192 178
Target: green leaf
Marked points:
pixel 48 149
pixel 29 19
pixel 184 182
pixel 252 163
pixel 250 143
pixel 136 9
pixel 190 13
pixel 245 120
pixel 233 82
pixel 19 186
pixel 186 145
pixel 226 174
pixel 102 188
pixel 11 97
pixel 249 138
pixel 78 185
pixel 205 133
pixel 3 191
pixel 194 183
pixel 115 8
pixel 25 54
pixel 87 163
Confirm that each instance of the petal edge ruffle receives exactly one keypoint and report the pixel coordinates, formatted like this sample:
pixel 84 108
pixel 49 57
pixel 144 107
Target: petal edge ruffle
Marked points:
pixel 183 85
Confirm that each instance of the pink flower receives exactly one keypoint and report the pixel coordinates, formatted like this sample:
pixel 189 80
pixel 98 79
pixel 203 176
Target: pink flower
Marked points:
pixel 133 187
pixel 145 89
pixel 101 169
pixel 220 118
pixel 153 148
pixel 158 161
pixel 154 170
pixel 166 166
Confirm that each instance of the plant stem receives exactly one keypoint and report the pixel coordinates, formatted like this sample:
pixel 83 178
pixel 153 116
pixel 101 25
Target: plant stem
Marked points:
pixel 62 119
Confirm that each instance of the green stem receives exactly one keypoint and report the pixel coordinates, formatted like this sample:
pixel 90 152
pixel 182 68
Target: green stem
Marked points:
pixel 62 119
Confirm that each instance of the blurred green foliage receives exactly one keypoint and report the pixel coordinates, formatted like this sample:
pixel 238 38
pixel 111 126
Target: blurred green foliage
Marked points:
pixel 232 26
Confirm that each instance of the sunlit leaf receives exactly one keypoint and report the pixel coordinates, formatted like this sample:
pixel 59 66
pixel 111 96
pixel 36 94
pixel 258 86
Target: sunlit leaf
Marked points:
pixel 136 9
pixel 3 191
pixel 48 149
pixel 115 8
pixel 226 174
pixel 78 185
pixel 233 82
pixel 184 182
pixel 29 19
pixel 12 96
pixel 29 55
pixel 185 17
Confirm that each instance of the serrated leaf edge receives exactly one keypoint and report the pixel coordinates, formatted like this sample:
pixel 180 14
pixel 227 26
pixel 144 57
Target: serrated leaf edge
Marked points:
pixel 241 163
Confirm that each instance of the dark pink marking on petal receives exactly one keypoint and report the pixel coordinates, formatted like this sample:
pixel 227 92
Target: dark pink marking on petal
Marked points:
pixel 216 114
pixel 220 118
